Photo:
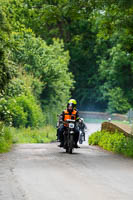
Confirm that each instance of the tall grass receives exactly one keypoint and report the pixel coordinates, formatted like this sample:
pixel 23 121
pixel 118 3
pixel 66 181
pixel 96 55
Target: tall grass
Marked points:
pixel 10 135
pixel 5 138
pixel 28 135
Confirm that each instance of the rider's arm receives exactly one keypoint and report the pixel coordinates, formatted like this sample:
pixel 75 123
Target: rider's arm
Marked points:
pixel 77 116
pixel 62 115
pixel 85 126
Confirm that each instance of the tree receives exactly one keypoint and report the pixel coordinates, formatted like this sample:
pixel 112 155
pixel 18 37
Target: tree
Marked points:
pixel 68 20
pixel 6 66
pixel 114 26
pixel 99 37
pixel 49 64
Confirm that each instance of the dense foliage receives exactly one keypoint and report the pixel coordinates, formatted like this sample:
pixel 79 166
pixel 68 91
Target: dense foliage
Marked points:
pixel 48 64
pixel 115 142
pixel 39 78
pixel 51 50
pixel 6 66
pixel 98 35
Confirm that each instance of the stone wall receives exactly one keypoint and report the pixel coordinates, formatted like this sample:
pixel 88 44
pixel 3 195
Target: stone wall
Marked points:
pixel 112 127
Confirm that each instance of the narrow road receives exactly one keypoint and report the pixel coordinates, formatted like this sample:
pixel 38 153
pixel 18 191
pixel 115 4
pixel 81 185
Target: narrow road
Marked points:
pixel 45 172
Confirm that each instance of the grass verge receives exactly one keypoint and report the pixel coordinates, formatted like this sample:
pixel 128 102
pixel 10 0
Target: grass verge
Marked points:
pixel 115 142
pixel 10 135
pixel 28 135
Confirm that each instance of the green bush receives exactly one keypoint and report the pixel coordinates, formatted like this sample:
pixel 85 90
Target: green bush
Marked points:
pixel 34 116
pixel 22 111
pixel 115 142
pixel 5 138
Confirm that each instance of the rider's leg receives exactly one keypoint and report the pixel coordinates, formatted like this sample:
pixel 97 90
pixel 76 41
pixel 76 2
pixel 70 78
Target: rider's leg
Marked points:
pixel 84 135
pixel 61 136
pixel 58 135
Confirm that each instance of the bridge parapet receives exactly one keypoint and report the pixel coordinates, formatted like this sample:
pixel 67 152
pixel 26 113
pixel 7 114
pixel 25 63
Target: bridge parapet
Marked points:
pixel 112 127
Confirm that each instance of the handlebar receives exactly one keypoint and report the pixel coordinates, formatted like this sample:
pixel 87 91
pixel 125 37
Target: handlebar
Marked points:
pixel 69 121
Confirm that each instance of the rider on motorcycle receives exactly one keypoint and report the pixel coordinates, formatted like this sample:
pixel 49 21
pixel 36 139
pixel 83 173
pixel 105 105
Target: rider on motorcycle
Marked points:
pixel 82 126
pixel 59 123
pixel 69 113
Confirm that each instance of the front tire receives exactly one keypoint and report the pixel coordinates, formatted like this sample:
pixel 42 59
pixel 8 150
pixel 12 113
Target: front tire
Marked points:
pixel 71 144
pixel 67 150
pixel 80 138
pixel 70 151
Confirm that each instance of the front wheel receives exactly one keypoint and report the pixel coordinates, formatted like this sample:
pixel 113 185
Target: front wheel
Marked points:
pixel 70 151
pixel 71 144
pixel 80 138
pixel 67 150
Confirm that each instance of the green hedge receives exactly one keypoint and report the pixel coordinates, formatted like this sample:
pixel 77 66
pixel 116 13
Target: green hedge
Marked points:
pixel 22 111
pixel 115 142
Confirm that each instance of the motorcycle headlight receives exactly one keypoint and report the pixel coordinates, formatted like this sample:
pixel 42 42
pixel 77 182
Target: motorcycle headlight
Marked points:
pixel 71 125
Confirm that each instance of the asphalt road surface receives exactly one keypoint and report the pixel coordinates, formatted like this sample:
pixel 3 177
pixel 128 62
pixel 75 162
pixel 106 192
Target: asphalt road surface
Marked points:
pixel 46 172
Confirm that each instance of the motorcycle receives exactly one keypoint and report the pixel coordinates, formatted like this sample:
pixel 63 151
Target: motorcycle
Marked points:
pixel 81 136
pixel 82 130
pixel 69 135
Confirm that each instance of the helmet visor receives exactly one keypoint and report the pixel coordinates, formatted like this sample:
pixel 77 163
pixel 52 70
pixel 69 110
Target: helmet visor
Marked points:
pixel 70 106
